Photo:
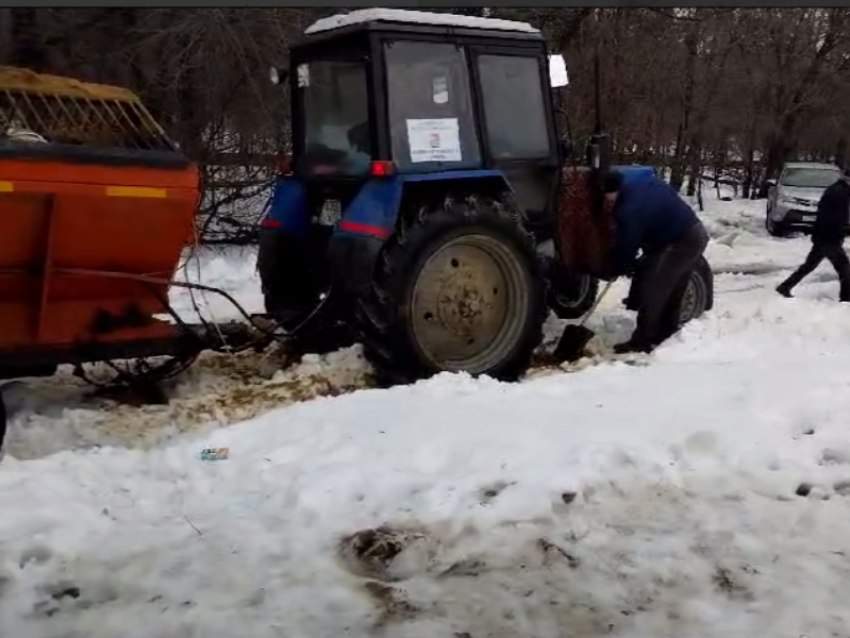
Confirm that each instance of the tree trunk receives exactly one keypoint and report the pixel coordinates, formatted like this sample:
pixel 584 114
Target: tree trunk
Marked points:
pixel 27 50
pixel 694 166
pixel 6 44
pixel 677 174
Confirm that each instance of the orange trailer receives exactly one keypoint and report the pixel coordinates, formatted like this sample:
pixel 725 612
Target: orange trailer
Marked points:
pixel 96 206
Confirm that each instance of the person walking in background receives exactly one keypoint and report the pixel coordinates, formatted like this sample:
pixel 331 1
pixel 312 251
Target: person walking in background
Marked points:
pixel 831 224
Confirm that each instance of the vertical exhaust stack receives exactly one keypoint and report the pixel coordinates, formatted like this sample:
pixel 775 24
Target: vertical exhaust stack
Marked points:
pixel 599 145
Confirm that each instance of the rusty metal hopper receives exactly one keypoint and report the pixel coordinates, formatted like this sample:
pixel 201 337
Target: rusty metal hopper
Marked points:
pixel 96 205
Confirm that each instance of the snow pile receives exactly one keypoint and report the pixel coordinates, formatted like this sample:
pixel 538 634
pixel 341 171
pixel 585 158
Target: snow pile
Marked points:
pixel 232 269
pixel 589 504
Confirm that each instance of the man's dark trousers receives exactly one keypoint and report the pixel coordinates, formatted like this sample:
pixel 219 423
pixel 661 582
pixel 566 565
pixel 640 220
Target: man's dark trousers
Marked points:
pixel 831 250
pixel 663 278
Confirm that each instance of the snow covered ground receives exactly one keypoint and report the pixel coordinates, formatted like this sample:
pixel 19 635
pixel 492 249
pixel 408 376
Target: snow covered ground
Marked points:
pixel 701 495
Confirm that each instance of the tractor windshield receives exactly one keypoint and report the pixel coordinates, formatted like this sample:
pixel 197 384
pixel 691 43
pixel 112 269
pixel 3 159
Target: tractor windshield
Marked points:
pixel 334 101
pixel 430 105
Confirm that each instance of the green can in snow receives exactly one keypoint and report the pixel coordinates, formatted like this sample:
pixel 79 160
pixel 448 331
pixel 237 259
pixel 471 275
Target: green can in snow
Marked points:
pixel 215 454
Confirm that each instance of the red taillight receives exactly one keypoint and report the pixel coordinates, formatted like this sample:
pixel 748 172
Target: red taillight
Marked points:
pixel 284 163
pixel 382 168
pixel 271 223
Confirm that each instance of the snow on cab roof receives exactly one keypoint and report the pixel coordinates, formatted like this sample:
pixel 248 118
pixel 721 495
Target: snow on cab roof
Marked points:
pixel 417 17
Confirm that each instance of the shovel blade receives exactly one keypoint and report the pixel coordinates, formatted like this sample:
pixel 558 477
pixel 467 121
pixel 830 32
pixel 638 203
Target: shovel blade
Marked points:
pixel 573 342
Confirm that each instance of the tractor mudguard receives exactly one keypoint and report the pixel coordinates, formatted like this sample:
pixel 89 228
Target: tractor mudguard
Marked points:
pixel 447 176
pixel 375 208
pixel 366 223
pixel 288 208
pixel 370 219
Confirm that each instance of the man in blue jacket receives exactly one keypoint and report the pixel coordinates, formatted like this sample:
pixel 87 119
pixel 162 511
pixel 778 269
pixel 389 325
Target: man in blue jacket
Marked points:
pixel 828 238
pixel 650 217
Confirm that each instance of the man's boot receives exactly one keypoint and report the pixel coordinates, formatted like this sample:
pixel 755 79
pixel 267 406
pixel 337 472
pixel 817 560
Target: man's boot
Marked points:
pixel 785 290
pixel 633 346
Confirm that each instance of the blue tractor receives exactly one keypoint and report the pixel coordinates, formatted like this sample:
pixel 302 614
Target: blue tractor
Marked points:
pixel 422 190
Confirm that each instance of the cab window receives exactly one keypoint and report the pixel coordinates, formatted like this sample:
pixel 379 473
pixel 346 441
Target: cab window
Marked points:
pixel 337 138
pixel 430 105
pixel 513 103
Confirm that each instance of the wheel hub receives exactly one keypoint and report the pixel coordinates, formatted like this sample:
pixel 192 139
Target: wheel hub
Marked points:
pixel 461 306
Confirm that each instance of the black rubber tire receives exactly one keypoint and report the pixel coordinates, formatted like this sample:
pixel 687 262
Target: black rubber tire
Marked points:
pixel 570 296
pixel 321 332
pixel 2 419
pixel 385 327
pixel 774 229
pixel 698 297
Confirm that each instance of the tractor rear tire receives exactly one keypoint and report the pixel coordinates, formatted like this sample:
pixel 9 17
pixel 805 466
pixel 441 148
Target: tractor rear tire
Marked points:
pixel 459 288
pixel 570 295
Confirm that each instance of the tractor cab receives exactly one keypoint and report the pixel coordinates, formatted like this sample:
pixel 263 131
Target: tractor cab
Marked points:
pixel 424 153
pixel 384 91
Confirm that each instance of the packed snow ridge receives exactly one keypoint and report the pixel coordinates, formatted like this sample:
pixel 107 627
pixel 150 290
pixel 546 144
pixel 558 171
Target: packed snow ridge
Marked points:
pixel 690 495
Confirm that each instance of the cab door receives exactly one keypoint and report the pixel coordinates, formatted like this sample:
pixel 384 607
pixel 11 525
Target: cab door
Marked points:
pixel 517 126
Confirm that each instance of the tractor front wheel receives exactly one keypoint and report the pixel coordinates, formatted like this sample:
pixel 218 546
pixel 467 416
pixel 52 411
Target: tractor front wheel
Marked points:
pixel 570 295
pixel 698 296
pixel 458 288
pixel 2 421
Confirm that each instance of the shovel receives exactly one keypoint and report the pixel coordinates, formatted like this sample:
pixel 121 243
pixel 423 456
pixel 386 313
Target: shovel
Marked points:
pixel 575 337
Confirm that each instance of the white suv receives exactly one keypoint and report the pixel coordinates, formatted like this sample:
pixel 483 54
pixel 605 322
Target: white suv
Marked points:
pixel 792 200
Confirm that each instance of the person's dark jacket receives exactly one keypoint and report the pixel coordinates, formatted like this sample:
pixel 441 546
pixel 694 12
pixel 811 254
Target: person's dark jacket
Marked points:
pixel 649 215
pixel 833 214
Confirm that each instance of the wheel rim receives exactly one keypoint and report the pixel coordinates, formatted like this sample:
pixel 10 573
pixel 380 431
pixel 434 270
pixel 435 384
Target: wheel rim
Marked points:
pixel 693 301
pixel 569 301
pixel 467 309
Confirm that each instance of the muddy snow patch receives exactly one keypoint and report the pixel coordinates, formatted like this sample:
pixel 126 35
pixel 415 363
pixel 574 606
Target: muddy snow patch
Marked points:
pixel 59 413
pixel 615 560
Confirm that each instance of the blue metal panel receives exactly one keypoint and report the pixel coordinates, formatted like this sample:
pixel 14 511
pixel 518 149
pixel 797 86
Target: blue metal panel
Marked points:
pixel 375 208
pixel 288 208
pixel 453 175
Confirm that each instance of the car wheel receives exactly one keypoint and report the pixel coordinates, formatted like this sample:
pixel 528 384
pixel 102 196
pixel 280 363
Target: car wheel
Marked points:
pixel 773 228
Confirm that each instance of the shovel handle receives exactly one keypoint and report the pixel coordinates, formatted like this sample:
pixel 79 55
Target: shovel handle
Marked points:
pixel 596 303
